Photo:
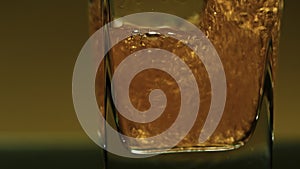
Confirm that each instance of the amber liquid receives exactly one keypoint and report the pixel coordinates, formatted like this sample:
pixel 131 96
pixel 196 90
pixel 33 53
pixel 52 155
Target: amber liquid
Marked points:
pixel 242 33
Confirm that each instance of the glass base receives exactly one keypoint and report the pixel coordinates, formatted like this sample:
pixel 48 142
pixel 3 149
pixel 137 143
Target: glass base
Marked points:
pixel 255 154
pixel 224 147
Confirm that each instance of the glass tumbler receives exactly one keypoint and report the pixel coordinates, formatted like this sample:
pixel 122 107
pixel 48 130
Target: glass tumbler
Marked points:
pixel 243 34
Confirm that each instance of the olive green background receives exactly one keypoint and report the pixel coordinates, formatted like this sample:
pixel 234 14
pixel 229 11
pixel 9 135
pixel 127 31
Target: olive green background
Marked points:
pixel 39 44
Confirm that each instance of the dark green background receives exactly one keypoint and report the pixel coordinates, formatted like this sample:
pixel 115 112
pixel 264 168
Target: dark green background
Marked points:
pixel 39 44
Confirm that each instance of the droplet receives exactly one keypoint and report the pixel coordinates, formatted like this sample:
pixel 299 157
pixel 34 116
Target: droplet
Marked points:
pixel 135 32
pixel 171 33
pixel 152 33
pixel 143 44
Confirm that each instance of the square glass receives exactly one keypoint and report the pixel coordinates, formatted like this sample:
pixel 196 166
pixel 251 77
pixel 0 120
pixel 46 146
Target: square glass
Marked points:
pixel 245 35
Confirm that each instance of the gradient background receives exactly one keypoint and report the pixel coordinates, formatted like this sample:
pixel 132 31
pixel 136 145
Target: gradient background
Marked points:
pixel 39 44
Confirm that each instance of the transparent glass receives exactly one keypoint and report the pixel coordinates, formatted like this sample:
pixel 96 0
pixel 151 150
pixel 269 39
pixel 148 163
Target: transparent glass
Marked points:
pixel 246 36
